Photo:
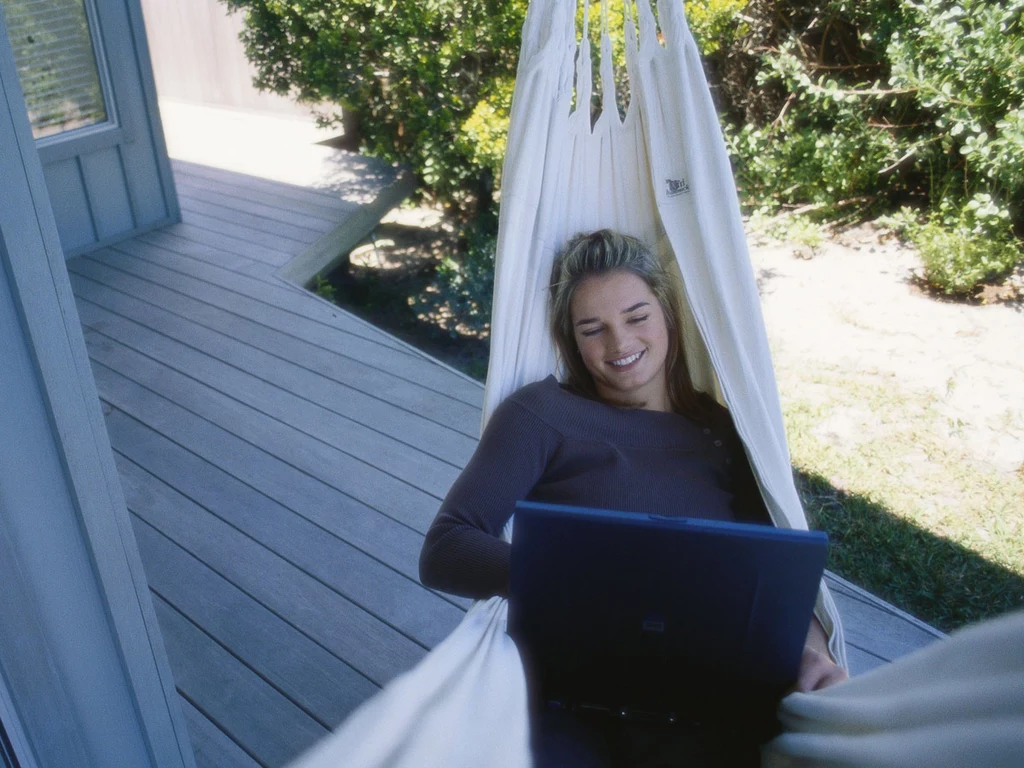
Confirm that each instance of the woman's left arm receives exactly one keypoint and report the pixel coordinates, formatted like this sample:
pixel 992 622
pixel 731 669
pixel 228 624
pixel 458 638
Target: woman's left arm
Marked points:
pixel 817 670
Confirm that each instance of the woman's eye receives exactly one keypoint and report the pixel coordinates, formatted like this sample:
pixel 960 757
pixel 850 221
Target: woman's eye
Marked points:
pixel 640 319
pixel 590 332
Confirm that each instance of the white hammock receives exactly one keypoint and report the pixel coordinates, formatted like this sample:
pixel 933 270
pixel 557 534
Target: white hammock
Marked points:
pixel 661 174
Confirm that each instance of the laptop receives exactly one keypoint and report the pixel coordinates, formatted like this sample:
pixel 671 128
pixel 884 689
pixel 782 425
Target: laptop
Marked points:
pixel 660 618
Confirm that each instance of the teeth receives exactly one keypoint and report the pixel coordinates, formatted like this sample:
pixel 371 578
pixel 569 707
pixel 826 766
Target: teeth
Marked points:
pixel 627 360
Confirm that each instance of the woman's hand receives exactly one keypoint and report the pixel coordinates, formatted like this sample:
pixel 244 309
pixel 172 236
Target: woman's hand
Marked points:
pixel 817 670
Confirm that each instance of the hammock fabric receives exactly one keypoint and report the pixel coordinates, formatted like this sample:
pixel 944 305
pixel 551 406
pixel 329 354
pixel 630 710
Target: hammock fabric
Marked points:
pixel 660 174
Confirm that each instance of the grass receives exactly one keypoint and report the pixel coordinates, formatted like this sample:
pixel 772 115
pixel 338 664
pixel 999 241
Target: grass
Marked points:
pixel 913 518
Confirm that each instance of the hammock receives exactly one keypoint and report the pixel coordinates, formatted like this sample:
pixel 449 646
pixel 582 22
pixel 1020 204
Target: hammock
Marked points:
pixel 662 175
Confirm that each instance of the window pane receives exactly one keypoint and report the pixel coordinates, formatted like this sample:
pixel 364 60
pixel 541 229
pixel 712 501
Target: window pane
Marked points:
pixel 56 64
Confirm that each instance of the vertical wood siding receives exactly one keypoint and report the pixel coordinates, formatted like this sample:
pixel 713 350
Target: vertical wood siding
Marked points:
pixel 198 58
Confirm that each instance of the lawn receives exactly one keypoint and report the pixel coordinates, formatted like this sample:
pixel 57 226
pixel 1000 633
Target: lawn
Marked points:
pixel 913 517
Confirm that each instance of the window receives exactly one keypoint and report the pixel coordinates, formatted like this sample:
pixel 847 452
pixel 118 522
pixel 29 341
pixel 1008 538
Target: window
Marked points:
pixel 56 57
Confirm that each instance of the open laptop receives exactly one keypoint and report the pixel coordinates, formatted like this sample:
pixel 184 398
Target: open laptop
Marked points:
pixel 662 618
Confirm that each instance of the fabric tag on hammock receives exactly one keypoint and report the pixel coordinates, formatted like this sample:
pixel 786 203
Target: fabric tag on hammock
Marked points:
pixel 676 187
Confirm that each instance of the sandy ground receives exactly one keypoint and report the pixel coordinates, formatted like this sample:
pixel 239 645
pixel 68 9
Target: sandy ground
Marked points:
pixel 852 307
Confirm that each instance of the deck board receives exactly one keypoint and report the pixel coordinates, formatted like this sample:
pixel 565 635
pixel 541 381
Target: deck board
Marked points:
pixel 200 382
pixel 345 386
pixel 318 682
pixel 276 189
pixel 189 237
pixel 282 460
pixel 365 642
pixel 211 487
pixel 212 747
pixel 263 205
pixel 229 211
pixel 272 728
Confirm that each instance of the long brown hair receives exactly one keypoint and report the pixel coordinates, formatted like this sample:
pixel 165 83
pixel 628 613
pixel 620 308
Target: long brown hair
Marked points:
pixel 599 253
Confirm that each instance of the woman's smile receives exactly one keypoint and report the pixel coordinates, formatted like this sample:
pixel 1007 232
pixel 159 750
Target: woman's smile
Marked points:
pixel 625 362
pixel 622 336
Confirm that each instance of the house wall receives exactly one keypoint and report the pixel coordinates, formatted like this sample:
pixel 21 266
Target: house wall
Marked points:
pixel 198 58
pixel 84 679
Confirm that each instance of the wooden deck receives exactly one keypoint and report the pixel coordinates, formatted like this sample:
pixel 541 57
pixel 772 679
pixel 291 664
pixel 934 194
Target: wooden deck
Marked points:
pixel 281 461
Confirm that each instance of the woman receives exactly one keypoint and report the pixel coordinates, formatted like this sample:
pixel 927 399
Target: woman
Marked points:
pixel 625 431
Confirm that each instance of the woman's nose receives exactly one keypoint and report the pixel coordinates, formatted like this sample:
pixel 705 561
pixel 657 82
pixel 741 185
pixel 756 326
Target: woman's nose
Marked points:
pixel 616 336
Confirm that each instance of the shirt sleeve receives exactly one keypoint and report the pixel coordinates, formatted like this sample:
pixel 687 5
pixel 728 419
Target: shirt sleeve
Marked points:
pixel 463 553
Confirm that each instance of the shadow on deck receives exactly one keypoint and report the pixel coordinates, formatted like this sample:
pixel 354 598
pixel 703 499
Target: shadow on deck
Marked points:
pixel 281 460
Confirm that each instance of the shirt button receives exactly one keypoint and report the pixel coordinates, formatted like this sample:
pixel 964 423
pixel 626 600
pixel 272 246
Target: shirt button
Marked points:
pixel 718 443
pixel 707 431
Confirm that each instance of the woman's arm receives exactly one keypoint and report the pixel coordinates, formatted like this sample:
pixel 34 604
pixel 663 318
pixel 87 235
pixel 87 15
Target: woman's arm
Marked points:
pixel 463 553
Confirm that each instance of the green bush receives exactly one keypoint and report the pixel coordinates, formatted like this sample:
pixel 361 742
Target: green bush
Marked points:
pixel 459 298
pixel 959 253
pixel 860 107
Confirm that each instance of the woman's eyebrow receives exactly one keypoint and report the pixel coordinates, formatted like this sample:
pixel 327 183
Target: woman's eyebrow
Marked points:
pixel 636 306
pixel 587 320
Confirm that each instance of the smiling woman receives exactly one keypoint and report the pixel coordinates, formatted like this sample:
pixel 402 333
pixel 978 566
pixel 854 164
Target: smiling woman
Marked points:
pixel 625 430
pixel 610 299
pixel 622 337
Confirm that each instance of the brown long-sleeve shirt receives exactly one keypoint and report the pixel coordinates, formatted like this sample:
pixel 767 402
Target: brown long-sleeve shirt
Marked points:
pixel 545 443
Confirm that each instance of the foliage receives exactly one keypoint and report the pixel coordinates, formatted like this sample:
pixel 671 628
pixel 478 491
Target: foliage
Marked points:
pixel 458 299
pixel 715 24
pixel 959 256
pixel 857 107
pixel 482 137
pixel 323 288
pixel 850 108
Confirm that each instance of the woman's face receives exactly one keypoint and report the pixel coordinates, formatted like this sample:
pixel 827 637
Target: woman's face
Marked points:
pixel 622 336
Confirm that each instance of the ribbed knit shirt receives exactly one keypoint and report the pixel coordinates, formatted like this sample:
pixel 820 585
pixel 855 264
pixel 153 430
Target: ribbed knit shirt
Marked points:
pixel 545 443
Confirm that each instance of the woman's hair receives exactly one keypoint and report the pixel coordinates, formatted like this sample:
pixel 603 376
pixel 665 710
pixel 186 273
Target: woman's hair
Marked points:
pixel 599 253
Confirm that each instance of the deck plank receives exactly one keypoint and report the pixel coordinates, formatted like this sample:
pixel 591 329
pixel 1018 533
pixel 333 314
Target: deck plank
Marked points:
pixel 269 207
pixel 231 498
pixel 200 382
pixel 302 236
pixel 231 696
pixel 346 387
pixel 365 642
pixel 251 295
pixel 277 476
pixel 318 682
pixel 873 626
pixel 225 244
pixel 322 197
pixel 386 594
pixel 319 323
pixel 194 216
pixel 211 746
